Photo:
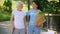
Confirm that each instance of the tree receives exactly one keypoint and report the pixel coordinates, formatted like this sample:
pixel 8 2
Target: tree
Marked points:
pixel 8 5
pixel 50 7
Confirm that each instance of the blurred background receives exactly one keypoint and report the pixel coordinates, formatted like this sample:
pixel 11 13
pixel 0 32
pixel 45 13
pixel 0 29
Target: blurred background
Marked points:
pixel 50 7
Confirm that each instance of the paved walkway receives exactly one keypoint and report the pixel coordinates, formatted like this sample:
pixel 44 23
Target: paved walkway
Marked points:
pixel 5 28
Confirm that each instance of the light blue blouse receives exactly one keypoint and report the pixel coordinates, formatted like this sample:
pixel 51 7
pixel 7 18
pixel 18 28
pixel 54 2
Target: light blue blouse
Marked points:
pixel 32 14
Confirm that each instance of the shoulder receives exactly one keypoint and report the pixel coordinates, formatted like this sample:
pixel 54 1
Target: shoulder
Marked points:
pixel 14 10
pixel 23 11
pixel 29 11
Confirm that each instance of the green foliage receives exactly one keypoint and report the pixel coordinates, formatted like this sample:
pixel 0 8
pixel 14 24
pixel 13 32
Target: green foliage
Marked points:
pixel 8 5
pixel 51 7
pixel 4 15
pixel 0 7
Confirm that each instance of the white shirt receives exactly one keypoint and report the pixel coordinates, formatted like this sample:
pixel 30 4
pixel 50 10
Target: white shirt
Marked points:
pixel 19 19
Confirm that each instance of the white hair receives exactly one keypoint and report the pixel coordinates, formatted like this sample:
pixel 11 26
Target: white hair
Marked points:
pixel 18 3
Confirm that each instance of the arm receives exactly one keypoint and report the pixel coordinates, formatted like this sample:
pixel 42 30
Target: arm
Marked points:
pixel 25 24
pixel 12 22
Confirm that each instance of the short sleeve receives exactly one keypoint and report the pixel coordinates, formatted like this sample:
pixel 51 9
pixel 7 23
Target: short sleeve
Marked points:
pixel 25 13
pixel 13 12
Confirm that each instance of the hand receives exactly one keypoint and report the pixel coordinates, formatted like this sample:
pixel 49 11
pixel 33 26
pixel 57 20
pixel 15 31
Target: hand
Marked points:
pixel 13 28
pixel 26 32
pixel 38 24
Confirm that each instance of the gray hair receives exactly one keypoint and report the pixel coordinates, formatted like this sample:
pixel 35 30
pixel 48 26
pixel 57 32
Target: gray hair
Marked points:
pixel 18 3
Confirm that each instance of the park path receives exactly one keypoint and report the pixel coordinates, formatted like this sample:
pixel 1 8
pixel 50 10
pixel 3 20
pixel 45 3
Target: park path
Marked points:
pixel 5 28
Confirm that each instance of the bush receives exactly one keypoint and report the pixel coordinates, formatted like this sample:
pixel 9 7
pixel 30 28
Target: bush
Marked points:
pixel 4 15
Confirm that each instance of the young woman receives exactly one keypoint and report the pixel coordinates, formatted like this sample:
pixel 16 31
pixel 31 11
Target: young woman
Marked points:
pixel 31 27
pixel 18 19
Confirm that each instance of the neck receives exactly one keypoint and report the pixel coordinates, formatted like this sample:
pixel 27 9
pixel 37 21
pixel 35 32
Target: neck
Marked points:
pixel 35 8
pixel 19 9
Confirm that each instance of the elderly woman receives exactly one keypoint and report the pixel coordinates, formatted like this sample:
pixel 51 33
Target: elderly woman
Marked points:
pixel 18 19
